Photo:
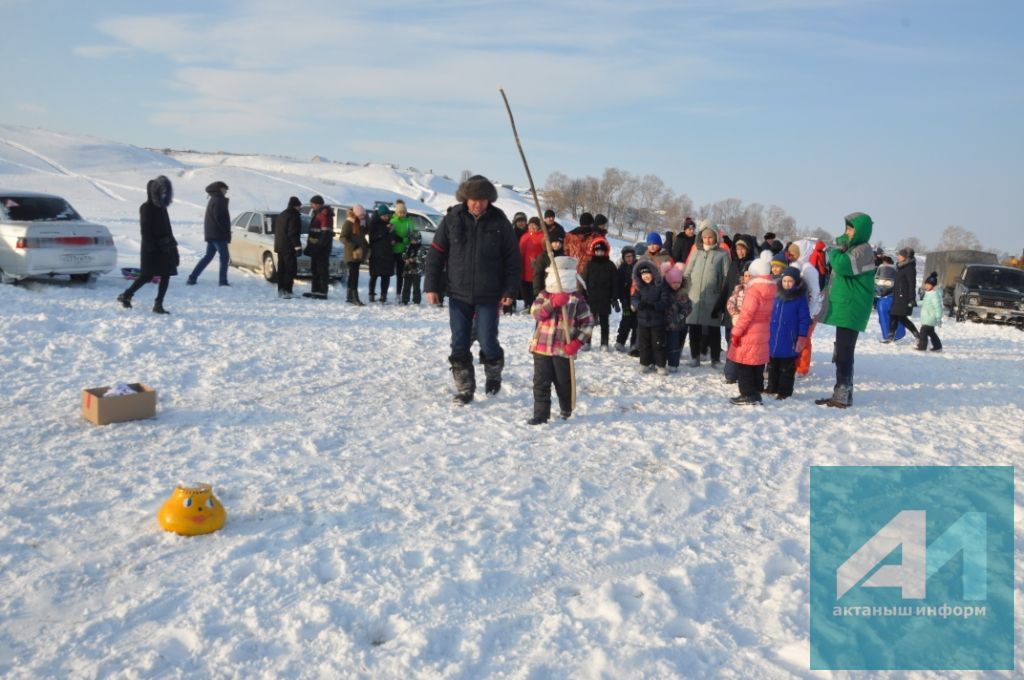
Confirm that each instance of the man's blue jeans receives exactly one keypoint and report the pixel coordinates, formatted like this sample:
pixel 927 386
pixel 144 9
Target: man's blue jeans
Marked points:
pixel 460 317
pixel 213 247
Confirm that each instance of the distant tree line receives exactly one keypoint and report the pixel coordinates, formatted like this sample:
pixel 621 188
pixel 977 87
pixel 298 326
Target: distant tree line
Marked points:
pixel 636 205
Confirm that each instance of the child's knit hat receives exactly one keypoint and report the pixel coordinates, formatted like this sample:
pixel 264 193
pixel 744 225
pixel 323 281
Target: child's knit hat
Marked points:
pixel 933 279
pixel 762 266
pixel 780 259
pixel 564 272
pixel 673 274
pixel 791 272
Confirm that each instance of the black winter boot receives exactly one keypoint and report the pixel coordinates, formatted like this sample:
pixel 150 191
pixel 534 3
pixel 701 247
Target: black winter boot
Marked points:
pixel 464 377
pixel 158 308
pixel 125 300
pixel 492 373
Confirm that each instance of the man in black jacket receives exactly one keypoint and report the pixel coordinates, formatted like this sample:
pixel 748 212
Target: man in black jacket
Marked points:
pixel 287 245
pixel 217 231
pixel 475 251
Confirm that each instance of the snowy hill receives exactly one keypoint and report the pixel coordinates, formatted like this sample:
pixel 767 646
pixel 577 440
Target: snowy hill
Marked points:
pixel 106 181
pixel 375 529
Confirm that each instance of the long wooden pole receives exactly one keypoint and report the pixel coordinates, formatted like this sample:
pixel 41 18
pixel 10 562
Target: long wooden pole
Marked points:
pixel 547 241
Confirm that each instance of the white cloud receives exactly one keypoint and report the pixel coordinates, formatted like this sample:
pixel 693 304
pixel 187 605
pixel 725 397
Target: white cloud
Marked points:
pixel 99 51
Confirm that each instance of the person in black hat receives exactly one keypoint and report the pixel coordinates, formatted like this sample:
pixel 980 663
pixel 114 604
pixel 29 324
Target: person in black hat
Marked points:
pixel 319 242
pixel 556 236
pixel 287 245
pixel 476 252
pixel 382 253
pixel 217 231
pixel 931 314
pixel 684 241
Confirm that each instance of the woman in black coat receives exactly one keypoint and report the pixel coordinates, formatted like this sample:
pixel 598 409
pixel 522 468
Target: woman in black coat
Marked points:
pixel 903 293
pixel 382 253
pixel 159 256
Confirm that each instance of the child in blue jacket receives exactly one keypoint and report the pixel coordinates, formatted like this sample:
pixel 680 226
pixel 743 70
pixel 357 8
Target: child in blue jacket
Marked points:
pixel 791 317
pixel 931 314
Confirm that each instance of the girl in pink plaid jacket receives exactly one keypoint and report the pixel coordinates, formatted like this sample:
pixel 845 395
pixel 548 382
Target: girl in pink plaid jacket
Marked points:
pixel 550 351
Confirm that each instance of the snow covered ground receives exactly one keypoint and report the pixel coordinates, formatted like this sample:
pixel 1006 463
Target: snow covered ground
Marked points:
pixel 374 528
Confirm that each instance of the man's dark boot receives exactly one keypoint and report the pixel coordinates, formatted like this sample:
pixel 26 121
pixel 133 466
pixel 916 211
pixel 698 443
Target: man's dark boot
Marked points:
pixel 158 308
pixel 125 300
pixel 492 373
pixel 373 296
pixel 464 377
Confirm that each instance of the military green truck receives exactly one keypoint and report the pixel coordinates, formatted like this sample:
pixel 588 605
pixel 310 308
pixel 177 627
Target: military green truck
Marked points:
pixel 949 264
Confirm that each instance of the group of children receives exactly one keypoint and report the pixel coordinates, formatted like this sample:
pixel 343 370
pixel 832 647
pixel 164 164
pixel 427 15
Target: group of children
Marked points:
pixel 770 311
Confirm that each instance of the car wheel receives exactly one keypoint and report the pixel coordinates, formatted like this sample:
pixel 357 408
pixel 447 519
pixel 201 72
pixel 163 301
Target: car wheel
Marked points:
pixel 269 270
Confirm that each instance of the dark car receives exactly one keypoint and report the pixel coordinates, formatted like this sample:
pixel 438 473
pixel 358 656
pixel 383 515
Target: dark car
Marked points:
pixel 992 293
pixel 949 265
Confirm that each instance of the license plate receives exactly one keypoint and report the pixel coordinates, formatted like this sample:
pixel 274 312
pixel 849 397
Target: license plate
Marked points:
pixel 76 258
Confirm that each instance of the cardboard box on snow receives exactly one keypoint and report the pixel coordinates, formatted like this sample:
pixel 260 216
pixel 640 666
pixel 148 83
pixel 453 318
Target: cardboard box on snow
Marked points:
pixel 115 409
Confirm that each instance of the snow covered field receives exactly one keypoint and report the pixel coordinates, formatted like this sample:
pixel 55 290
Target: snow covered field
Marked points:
pixel 374 528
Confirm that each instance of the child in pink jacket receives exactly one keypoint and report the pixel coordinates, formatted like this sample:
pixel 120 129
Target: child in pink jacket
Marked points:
pixel 751 331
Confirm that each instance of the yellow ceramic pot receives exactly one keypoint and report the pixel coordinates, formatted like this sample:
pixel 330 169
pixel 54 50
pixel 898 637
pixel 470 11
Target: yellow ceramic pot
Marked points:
pixel 192 510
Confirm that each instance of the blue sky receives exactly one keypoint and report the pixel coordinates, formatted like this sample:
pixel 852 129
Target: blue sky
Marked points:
pixel 912 111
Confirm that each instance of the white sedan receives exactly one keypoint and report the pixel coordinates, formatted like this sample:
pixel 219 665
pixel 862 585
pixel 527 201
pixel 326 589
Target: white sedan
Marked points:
pixel 41 235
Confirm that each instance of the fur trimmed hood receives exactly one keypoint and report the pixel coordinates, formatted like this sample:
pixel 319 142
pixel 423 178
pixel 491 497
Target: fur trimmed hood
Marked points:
pixel 160 192
pixel 478 188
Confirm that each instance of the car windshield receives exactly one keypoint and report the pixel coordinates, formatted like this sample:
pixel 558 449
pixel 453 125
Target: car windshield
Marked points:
pixel 1003 278
pixel 38 208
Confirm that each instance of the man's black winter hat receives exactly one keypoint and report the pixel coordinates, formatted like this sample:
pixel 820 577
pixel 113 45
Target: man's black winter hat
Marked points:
pixel 586 220
pixel 317 200
pixel 477 188
pixel 294 202
pixel 600 220
pixel 549 213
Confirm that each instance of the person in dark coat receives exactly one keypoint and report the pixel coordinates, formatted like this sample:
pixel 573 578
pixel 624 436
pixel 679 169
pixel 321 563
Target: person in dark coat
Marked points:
pixel 903 294
pixel 683 242
pixel 382 253
pixel 651 300
pixel 556 236
pixel 475 249
pixel 519 224
pixel 319 243
pixel 217 231
pixel 771 243
pixel 624 291
pixel 159 256
pixel 287 245
pixel 356 248
pixel 600 279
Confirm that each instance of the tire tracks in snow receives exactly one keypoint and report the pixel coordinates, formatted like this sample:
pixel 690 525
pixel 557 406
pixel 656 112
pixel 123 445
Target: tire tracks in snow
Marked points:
pixel 64 170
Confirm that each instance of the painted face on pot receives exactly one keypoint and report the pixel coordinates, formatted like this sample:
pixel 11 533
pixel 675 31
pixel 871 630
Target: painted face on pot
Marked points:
pixel 192 509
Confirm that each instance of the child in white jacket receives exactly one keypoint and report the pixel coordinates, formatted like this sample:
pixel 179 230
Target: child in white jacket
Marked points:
pixel 931 314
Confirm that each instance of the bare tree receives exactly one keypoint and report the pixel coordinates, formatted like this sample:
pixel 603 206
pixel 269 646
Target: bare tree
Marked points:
pixel 955 237
pixel 822 235
pixel 466 174
pixel 912 242
pixel 753 220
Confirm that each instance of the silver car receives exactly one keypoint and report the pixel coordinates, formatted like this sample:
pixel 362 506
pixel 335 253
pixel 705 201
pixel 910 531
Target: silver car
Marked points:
pixel 41 235
pixel 252 246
